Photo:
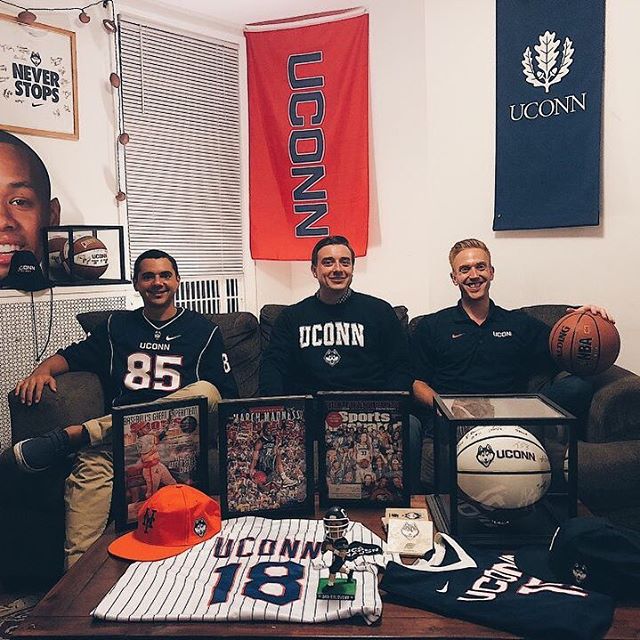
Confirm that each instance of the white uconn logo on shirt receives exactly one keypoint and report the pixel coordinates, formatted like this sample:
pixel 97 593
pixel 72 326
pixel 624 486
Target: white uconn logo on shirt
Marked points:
pixel 332 333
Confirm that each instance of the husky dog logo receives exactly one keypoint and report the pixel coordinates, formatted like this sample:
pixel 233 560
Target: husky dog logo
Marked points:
pixel 548 72
pixel 579 572
pixel 332 357
pixel 409 530
pixel 485 455
pixel 200 527
pixel 35 58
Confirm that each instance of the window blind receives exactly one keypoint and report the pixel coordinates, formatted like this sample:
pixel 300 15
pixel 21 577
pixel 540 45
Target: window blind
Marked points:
pixel 181 109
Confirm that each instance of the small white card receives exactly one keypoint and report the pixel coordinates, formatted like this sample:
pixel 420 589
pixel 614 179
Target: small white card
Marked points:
pixel 404 514
pixel 409 537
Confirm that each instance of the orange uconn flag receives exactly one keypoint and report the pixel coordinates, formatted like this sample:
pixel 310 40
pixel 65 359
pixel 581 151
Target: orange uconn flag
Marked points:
pixel 308 133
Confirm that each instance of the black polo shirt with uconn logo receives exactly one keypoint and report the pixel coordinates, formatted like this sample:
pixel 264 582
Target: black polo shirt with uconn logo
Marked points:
pixel 455 355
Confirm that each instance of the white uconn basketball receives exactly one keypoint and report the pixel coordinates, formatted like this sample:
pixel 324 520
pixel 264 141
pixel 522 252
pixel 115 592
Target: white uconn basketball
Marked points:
pixel 502 467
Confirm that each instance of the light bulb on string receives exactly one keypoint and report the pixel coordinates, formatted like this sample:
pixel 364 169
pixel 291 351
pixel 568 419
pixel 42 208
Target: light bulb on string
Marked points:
pixel 114 80
pixel 84 17
pixel 121 196
pixel 26 17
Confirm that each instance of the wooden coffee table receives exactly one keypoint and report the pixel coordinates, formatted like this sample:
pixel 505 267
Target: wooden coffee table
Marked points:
pixel 65 610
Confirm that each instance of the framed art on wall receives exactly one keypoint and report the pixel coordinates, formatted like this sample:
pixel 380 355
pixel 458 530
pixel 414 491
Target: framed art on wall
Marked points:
pixel 38 84
pixel 156 444
pixel 266 463
pixel 363 447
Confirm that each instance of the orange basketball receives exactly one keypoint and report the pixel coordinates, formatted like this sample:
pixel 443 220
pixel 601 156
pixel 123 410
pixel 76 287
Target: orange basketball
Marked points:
pixel 56 245
pixel 584 344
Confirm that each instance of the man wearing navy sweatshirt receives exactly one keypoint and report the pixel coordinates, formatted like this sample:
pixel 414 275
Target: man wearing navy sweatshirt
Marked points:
pixel 337 339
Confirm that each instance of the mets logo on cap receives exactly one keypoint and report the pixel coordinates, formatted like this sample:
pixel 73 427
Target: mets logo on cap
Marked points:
pixel 172 520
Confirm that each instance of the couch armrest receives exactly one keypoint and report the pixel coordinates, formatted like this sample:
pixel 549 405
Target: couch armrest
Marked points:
pixel 615 408
pixel 79 398
pixel 608 477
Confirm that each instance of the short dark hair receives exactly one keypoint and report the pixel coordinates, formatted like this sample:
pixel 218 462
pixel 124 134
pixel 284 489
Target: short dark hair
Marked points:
pixel 153 254
pixel 40 173
pixel 326 242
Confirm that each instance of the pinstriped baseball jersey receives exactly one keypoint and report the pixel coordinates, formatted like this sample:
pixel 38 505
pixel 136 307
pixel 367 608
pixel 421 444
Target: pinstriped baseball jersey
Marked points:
pixel 253 569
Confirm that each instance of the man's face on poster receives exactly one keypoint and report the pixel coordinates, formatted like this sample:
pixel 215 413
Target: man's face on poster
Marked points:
pixel 24 207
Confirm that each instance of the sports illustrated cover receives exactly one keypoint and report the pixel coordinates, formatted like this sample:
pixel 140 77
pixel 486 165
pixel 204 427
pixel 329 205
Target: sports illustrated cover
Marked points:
pixel 158 444
pixel 363 446
pixel 265 456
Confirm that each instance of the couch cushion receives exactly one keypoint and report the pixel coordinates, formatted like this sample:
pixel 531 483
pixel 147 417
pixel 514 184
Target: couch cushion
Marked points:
pixel 241 340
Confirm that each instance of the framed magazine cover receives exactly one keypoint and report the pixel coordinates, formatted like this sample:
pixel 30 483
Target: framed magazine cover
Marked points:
pixel 266 456
pixel 157 444
pixel 363 445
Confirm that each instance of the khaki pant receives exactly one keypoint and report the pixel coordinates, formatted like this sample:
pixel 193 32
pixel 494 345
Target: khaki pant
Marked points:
pixel 87 492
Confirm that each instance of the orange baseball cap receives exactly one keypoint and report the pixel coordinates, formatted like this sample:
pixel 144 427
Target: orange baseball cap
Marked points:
pixel 172 520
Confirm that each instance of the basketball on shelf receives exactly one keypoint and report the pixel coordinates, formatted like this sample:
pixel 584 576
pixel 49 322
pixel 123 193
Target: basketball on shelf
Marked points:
pixel 56 246
pixel 503 469
pixel 584 343
pixel 90 258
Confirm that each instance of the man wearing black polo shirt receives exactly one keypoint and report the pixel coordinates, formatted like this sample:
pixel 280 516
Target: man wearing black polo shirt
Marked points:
pixel 479 347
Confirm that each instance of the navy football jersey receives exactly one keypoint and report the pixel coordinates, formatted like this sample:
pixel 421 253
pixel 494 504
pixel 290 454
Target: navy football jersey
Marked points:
pixel 486 587
pixel 143 360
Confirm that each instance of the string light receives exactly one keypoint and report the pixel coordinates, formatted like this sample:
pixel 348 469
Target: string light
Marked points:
pixel 27 16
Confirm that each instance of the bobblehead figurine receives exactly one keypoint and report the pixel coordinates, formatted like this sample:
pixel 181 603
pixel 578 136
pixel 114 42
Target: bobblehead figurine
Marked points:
pixel 336 525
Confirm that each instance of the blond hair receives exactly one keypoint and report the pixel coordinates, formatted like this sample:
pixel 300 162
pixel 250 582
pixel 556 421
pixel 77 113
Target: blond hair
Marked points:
pixel 469 243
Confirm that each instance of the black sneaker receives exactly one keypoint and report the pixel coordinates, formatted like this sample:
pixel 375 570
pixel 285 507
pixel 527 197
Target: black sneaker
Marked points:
pixel 41 453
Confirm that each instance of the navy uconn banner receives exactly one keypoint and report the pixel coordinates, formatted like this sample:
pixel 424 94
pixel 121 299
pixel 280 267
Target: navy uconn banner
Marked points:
pixel 549 57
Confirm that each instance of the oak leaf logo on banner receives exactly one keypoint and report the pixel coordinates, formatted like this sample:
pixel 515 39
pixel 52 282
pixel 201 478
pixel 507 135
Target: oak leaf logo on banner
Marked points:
pixel 548 72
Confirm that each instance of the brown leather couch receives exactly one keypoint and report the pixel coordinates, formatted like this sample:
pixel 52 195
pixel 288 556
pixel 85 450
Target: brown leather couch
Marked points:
pixel 609 455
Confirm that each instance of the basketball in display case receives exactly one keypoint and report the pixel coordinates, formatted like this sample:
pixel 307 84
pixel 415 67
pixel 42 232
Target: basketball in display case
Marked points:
pixel 84 255
pixel 502 469
pixel 506 468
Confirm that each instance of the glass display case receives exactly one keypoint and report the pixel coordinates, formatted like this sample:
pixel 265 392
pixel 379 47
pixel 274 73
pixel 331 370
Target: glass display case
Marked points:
pixel 505 468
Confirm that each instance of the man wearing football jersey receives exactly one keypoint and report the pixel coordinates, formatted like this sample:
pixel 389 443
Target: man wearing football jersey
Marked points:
pixel 337 339
pixel 158 351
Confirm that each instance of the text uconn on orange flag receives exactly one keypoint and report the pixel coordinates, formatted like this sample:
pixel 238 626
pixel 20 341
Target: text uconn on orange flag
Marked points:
pixel 308 133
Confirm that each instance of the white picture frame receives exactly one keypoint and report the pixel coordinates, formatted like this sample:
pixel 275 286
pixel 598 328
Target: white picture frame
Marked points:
pixel 38 79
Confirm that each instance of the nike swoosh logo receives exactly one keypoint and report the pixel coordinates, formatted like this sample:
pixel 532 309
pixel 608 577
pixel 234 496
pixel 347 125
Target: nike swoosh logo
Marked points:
pixel 444 589
pixel 456 335
pixel 170 338
pixel 33 104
